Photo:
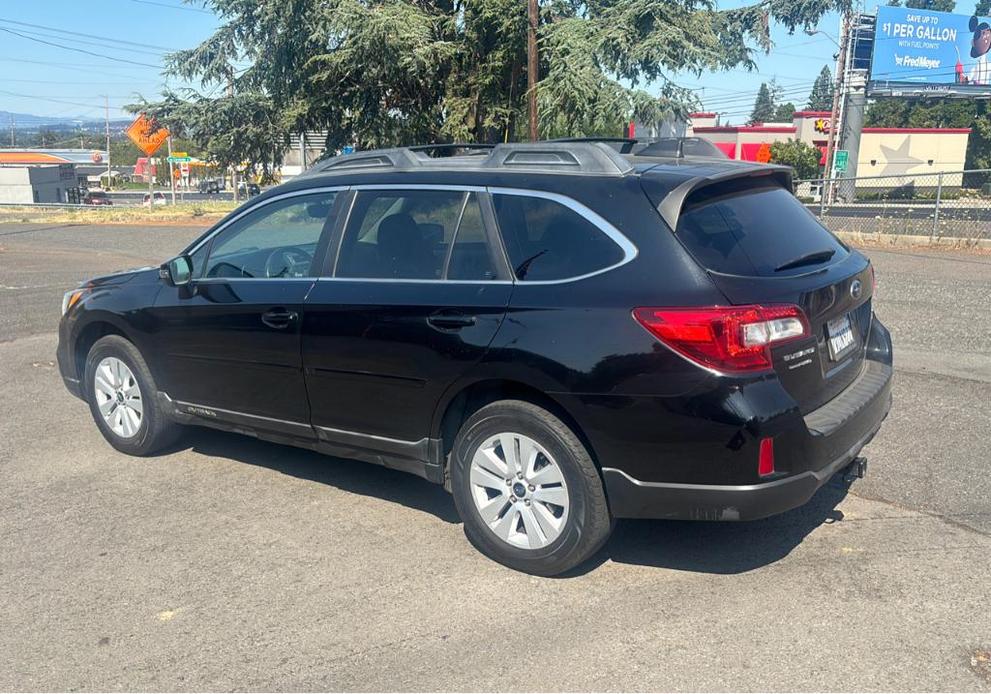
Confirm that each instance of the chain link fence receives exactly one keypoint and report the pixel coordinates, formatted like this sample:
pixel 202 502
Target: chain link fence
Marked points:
pixel 945 207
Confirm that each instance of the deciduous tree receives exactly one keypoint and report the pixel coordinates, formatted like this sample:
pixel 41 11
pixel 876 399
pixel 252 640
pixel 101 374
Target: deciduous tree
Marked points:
pixel 802 157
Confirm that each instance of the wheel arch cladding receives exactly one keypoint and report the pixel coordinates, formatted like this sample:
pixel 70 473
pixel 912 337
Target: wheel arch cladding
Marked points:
pixel 474 396
pixel 88 337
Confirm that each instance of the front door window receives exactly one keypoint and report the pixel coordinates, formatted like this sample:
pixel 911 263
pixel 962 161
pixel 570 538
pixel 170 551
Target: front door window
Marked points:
pixel 278 240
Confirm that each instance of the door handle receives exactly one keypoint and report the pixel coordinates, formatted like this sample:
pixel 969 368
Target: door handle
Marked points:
pixel 450 320
pixel 279 318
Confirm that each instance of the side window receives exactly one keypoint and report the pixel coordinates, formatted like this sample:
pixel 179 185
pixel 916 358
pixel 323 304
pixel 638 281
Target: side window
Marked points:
pixel 406 234
pixel 277 240
pixel 548 241
pixel 471 255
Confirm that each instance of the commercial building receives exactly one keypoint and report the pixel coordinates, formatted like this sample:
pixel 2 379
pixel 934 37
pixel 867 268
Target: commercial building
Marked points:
pixel 89 164
pixel 883 151
pixel 26 184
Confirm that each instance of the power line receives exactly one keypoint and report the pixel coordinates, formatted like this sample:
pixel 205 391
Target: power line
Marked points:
pixel 173 7
pixel 742 101
pixel 71 66
pixel 101 82
pixel 79 50
pixel 55 101
pixel 103 44
pixel 88 36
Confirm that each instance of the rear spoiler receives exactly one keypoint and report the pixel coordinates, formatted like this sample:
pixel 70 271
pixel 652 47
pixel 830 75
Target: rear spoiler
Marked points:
pixel 670 207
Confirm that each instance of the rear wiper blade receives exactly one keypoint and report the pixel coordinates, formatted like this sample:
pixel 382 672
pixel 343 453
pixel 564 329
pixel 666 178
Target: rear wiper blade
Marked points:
pixel 807 259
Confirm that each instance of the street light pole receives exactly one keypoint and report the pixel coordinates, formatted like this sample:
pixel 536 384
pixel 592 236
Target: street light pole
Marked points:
pixel 532 66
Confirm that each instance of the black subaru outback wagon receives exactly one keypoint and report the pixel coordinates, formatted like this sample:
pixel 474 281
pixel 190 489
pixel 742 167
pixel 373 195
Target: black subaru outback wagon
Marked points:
pixel 558 333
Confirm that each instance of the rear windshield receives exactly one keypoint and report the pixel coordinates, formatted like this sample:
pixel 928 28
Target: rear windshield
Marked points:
pixel 739 229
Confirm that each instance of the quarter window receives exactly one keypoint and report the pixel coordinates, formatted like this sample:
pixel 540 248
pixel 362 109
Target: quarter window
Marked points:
pixel 548 241
pixel 415 234
pixel 277 240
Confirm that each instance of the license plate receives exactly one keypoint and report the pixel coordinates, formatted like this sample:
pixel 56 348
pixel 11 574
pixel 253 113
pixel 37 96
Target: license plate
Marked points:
pixel 840 336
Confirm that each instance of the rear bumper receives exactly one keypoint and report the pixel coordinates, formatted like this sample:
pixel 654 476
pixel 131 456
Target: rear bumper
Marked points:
pixel 815 448
pixel 631 498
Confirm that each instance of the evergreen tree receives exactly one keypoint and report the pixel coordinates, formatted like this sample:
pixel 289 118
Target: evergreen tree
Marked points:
pixel 934 5
pixel 983 8
pixel 821 97
pixel 387 72
pixel 763 106
pixel 784 112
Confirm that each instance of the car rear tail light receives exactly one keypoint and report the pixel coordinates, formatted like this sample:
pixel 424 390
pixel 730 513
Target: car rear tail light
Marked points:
pixel 765 459
pixel 873 279
pixel 726 338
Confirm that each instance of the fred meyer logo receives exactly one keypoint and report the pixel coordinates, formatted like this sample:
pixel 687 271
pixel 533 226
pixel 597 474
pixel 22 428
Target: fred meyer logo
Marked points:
pixel 917 61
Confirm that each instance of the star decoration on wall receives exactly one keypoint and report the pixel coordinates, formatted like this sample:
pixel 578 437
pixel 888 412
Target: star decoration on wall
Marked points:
pixel 897 160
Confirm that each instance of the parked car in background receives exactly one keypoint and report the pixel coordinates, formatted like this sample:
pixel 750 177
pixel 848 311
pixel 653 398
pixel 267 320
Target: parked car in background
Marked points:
pixel 557 333
pixel 97 197
pixel 248 190
pixel 155 198
pixel 210 186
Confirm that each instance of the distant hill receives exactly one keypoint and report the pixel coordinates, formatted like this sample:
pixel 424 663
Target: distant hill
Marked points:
pixel 28 121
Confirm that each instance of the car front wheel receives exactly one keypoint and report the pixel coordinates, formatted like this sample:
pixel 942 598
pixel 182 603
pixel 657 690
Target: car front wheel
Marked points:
pixel 527 489
pixel 122 397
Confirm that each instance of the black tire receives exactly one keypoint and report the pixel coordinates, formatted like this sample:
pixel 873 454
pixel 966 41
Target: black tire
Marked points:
pixel 156 430
pixel 588 521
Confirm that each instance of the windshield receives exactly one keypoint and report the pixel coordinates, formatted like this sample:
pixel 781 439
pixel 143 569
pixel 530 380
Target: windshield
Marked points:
pixel 738 229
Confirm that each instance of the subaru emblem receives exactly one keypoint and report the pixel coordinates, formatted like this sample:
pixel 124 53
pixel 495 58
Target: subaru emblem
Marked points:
pixel 855 288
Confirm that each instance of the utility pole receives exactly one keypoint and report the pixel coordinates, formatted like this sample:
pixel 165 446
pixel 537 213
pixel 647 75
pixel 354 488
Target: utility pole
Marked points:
pixel 171 170
pixel 862 27
pixel 230 93
pixel 12 142
pixel 532 66
pixel 106 102
pixel 837 95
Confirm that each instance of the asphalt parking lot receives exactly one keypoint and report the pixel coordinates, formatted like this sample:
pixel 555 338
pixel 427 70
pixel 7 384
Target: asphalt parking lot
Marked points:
pixel 231 563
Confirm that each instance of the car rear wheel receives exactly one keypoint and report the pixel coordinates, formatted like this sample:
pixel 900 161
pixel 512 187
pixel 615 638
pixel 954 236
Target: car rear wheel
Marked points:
pixel 527 490
pixel 122 398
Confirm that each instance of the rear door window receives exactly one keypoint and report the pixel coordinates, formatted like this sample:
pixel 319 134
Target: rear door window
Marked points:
pixel 738 229
pixel 548 241
pixel 416 234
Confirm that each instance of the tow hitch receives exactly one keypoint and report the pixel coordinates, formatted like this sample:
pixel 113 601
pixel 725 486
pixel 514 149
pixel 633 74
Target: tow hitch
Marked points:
pixel 855 470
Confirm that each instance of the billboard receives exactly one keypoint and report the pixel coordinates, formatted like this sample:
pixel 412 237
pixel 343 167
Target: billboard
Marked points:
pixel 935 53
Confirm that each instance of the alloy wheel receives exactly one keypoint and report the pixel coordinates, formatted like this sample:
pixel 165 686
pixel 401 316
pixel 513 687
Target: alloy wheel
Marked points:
pixel 519 490
pixel 118 397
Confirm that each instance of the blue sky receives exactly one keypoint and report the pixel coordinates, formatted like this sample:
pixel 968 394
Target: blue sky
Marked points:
pixel 53 81
pixel 59 82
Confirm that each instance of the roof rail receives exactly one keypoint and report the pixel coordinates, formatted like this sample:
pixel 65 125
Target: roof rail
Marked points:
pixel 680 147
pixel 623 145
pixel 579 158
pixel 454 148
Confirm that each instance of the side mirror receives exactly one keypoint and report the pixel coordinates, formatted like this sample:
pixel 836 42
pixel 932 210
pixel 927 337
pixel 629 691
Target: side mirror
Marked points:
pixel 177 271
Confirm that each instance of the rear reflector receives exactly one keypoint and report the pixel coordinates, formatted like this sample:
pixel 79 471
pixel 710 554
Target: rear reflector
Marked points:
pixel 765 461
pixel 726 338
